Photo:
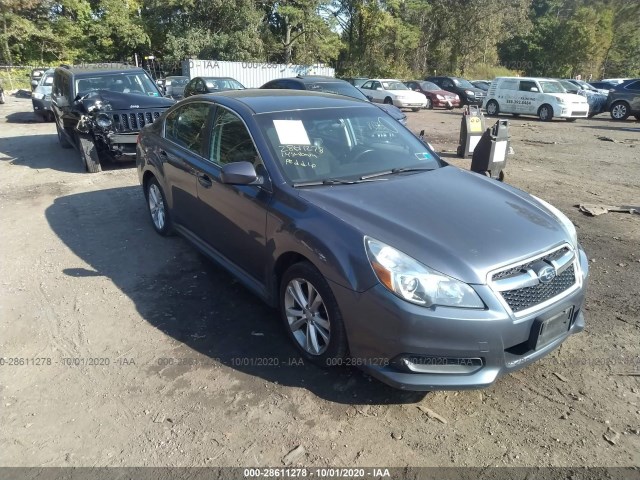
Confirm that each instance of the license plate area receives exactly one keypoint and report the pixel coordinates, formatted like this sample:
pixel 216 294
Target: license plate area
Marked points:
pixel 546 330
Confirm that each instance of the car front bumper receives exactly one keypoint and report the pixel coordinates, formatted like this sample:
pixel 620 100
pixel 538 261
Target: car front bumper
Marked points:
pixel 383 330
pixel 409 103
pixel 446 103
pixel 571 111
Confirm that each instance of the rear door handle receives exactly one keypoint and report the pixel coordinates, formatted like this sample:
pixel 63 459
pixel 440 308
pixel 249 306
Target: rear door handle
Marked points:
pixel 204 180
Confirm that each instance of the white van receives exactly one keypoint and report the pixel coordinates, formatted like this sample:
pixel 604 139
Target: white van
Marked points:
pixel 543 97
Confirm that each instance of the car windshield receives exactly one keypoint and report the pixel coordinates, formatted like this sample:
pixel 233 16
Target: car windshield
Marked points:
pixel 462 83
pixel 549 86
pixel 429 86
pixel 341 144
pixel 394 85
pixel 223 84
pixel 136 83
pixel 47 80
pixel 568 86
pixel 339 88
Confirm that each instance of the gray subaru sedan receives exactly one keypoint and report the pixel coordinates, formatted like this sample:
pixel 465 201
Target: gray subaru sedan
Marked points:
pixel 375 251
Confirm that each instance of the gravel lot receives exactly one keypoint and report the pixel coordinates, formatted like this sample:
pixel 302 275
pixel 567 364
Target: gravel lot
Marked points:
pixel 166 342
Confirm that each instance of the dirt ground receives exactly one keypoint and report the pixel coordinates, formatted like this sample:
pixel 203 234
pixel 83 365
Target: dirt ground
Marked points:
pixel 122 348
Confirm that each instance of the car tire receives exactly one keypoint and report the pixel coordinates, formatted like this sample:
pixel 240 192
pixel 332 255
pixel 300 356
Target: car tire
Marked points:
pixel 637 117
pixel 62 139
pixel 388 101
pixel 493 109
pixel 545 113
pixel 316 329
pixel 619 111
pixel 415 109
pixel 158 207
pixel 571 119
pixel 429 105
pixel 89 154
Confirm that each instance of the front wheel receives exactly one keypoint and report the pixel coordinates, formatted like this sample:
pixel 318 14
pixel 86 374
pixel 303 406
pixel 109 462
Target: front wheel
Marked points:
pixel 545 113
pixel 493 109
pixel 89 154
pixel 158 209
pixel 311 315
pixel 388 101
pixel 619 111
pixel 429 105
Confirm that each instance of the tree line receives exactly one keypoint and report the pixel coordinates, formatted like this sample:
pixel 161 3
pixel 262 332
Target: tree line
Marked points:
pixel 396 38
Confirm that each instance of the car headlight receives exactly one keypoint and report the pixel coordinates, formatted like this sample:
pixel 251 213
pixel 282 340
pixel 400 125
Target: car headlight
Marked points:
pixel 470 93
pixel 103 120
pixel 566 223
pixel 416 283
pixel 37 96
pixel 439 97
pixel 560 99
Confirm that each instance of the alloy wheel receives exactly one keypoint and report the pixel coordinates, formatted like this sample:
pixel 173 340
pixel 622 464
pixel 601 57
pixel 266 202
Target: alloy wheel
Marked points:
pixel 307 316
pixel 156 206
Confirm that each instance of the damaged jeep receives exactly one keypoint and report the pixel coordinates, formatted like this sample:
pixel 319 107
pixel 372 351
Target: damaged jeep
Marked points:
pixel 101 112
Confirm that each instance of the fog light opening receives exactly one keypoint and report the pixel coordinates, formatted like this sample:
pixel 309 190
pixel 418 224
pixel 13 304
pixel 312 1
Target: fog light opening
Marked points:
pixel 442 365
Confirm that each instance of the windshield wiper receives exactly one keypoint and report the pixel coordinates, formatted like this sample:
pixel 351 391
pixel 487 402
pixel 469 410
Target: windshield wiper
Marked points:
pixel 329 181
pixel 396 170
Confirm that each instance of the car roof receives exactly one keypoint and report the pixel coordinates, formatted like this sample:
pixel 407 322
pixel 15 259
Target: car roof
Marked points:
pixel 89 72
pixel 266 101
pixel 217 78
pixel 385 79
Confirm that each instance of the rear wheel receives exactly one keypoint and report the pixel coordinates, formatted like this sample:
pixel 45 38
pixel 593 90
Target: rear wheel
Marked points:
pixel 158 210
pixel 619 111
pixel 89 154
pixel 545 113
pixel 388 101
pixel 311 315
pixel 493 108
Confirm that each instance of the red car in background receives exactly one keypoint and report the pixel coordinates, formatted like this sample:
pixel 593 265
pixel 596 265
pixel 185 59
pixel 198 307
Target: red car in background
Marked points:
pixel 436 97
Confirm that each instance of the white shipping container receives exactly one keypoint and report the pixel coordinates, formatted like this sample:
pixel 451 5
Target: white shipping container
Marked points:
pixel 251 74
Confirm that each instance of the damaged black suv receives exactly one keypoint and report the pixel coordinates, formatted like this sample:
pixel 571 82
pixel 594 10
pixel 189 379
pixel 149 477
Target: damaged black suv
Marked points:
pixel 100 112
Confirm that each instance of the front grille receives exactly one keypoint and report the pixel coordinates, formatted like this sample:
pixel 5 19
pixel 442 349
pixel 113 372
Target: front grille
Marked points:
pixel 129 122
pixel 521 268
pixel 521 299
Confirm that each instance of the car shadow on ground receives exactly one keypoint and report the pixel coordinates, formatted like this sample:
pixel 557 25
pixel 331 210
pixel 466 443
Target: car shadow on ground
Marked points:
pixel 192 300
pixel 20 151
pixel 25 117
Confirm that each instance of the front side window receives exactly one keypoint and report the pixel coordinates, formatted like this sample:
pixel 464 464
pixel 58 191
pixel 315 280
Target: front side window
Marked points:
pixel 341 143
pixel 186 126
pixel 367 85
pixel 527 85
pixel 231 140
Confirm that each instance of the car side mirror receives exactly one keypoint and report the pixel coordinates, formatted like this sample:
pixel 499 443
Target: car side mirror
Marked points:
pixel 240 173
pixel 533 89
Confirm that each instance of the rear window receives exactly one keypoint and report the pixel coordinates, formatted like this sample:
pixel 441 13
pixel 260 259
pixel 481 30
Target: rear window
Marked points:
pixel 338 88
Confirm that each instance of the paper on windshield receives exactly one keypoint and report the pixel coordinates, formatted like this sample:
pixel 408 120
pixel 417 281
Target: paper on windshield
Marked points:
pixel 291 132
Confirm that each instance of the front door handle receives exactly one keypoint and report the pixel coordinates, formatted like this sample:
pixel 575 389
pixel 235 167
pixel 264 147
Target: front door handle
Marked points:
pixel 204 180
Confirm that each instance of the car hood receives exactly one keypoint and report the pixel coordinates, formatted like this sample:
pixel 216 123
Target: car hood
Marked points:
pixel 569 97
pixel 457 222
pixel 124 101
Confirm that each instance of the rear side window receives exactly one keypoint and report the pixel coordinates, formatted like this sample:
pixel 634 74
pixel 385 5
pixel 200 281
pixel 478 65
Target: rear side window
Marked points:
pixel 509 85
pixel 186 126
pixel 634 86
pixel 527 85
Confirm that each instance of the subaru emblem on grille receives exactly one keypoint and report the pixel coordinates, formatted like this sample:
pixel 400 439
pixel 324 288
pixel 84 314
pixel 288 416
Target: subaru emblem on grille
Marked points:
pixel 546 274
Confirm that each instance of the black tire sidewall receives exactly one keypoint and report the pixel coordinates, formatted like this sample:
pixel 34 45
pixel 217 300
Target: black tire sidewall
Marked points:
pixel 338 346
pixel 89 153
